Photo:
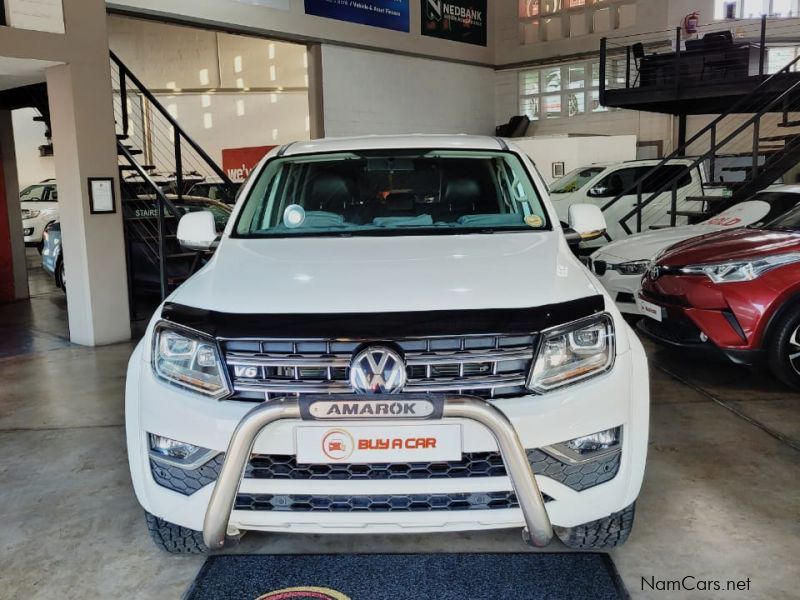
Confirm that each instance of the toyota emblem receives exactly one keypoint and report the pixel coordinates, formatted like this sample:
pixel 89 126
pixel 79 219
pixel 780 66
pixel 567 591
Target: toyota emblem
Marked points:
pixel 377 370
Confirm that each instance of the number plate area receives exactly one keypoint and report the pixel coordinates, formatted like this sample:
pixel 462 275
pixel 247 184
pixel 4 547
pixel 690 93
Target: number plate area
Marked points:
pixel 332 444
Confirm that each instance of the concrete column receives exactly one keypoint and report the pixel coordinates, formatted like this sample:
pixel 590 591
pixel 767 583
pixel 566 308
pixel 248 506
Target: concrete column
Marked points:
pixel 13 271
pixel 316 104
pixel 84 144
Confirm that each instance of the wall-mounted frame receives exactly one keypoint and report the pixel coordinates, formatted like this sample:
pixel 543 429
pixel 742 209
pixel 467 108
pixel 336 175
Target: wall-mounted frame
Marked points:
pixel 558 170
pixel 101 196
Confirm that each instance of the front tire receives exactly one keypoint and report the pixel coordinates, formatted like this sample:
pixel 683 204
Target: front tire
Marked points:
pixel 784 349
pixel 609 532
pixel 174 538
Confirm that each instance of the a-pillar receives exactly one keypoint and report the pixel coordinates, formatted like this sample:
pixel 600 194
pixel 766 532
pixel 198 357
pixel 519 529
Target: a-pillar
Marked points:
pixel 84 146
pixel 13 272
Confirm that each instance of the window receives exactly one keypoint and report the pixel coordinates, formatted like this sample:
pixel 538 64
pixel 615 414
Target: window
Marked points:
pixel 575 180
pixel 780 56
pixel 623 180
pixel 754 9
pixel 39 193
pixel 560 91
pixel 392 193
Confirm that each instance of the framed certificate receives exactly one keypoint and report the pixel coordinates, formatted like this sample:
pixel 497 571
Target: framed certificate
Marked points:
pixel 101 195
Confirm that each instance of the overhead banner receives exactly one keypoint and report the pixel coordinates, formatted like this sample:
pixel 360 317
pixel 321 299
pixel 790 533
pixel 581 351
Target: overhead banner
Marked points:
pixel 456 20
pixel 388 14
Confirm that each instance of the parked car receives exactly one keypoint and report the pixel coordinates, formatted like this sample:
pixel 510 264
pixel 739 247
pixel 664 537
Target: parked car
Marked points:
pixel 146 276
pixel 737 292
pixel 52 259
pixel 620 265
pixel 39 205
pixel 425 284
pixel 214 189
pixel 600 183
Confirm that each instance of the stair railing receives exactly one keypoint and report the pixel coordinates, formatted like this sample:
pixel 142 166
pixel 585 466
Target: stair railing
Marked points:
pixel 711 128
pixel 163 205
pixel 179 135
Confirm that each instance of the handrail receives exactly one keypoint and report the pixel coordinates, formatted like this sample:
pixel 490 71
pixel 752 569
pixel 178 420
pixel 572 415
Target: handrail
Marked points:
pixel 754 119
pixel 126 73
pixel 162 202
pixel 677 152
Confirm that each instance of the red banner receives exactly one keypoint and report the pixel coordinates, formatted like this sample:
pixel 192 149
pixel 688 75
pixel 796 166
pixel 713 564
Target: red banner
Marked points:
pixel 238 162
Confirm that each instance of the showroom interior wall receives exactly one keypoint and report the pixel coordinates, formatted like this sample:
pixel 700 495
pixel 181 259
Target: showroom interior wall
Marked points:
pixel 403 94
pixel 227 91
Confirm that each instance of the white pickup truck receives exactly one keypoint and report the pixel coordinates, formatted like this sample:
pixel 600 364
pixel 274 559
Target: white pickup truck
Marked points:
pixel 600 183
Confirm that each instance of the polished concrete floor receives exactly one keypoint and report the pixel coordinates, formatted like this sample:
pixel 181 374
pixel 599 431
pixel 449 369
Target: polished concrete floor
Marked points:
pixel 721 497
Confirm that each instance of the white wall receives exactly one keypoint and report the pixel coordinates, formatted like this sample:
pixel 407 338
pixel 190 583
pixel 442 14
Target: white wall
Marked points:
pixel 232 91
pixel 369 92
pixel 294 23
pixel 28 136
pixel 576 152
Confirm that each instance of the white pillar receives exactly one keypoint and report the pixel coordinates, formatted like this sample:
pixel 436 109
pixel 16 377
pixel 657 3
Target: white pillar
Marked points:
pixel 84 145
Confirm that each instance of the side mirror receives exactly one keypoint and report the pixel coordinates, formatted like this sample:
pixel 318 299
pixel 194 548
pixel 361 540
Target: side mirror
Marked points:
pixel 598 191
pixel 197 231
pixel 586 222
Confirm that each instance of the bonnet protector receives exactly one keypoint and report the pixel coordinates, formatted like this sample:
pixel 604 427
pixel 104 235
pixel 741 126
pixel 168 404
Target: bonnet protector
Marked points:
pixel 381 325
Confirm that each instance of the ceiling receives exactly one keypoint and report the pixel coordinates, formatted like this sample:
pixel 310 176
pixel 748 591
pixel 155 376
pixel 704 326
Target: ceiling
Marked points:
pixel 16 72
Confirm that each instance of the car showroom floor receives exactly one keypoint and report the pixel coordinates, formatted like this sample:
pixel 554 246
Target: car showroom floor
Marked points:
pixel 720 497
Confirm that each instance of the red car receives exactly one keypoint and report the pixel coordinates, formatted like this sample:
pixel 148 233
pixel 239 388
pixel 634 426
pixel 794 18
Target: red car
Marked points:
pixel 737 291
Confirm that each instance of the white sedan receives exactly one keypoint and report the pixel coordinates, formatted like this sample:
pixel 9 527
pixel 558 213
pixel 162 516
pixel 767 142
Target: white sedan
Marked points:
pixel 620 265
pixel 39 205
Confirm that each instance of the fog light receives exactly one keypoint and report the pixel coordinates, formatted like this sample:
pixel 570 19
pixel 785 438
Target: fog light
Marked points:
pixel 595 442
pixel 181 454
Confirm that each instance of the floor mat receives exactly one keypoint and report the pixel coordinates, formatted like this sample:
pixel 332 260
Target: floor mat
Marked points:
pixel 523 576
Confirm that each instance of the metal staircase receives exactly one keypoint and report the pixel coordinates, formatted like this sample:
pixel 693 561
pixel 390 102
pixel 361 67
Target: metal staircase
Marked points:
pixel 159 163
pixel 742 151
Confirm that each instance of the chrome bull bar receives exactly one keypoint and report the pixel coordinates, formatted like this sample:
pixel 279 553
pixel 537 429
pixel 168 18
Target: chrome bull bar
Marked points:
pixel 538 530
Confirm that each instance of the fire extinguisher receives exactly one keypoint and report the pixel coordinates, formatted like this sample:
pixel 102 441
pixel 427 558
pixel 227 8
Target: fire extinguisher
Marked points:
pixel 691 21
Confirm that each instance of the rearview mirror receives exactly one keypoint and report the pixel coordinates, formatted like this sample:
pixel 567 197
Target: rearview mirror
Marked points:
pixel 587 221
pixel 197 230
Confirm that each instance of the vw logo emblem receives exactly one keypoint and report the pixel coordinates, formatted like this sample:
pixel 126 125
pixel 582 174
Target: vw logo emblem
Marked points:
pixel 377 370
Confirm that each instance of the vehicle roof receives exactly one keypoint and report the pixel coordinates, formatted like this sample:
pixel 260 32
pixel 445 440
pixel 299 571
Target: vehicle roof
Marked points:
pixel 394 142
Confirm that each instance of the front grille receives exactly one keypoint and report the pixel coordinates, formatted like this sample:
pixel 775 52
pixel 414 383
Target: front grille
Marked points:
pixel 673 330
pixel 490 366
pixel 378 503
pixel 473 464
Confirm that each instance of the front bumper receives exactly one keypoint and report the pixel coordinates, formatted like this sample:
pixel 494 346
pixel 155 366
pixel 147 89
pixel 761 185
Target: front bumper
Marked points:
pixel 623 290
pixel 618 398
pixel 32 231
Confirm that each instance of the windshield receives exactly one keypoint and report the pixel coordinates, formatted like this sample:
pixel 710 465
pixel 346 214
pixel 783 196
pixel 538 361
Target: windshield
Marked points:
pixel 790 221
pixel 37 193
pixel 396 193
pixel 575 180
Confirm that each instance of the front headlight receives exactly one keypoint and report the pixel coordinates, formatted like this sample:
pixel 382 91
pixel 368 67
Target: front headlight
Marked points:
pixel 574 352
pixel 741 270
pixel 29 213
pixel 634 267
pixel 190 360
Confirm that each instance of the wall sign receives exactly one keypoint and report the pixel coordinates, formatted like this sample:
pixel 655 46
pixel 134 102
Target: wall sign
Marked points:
pixel 388 14
pixel 239 162
pixel 456 20
pixel 101 195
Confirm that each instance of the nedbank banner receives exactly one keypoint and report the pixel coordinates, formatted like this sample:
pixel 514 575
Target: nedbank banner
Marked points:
pixel 457 20
pixel 389 14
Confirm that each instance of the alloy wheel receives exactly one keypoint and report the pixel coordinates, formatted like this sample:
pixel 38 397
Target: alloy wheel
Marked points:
pixel 794 350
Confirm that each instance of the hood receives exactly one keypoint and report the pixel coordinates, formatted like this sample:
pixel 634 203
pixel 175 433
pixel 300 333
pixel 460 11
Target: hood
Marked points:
pixel 731 245
pixel 387 274
pixel 647 245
